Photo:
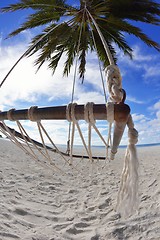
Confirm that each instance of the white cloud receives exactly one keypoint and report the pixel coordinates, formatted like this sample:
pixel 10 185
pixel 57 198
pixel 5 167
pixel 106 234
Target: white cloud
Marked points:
pixel 134 100
pixel 140 56
pixel 148 128
pixel 84 97
pixel 138 117
pixel 152 71
pixel 23 86
pixel 157 106
pixel 146 62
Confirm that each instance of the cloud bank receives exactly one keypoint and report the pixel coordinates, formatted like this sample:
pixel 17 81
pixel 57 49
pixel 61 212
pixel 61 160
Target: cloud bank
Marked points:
pixel 24 88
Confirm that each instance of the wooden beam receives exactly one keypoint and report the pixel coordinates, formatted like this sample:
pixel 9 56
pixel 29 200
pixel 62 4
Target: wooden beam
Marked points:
pixel 121 113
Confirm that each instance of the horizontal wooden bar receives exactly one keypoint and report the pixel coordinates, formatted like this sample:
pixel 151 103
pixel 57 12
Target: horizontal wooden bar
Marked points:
pixel 121 113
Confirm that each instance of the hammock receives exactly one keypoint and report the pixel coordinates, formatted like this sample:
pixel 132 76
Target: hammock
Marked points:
pixel 115 111
pixel 100 111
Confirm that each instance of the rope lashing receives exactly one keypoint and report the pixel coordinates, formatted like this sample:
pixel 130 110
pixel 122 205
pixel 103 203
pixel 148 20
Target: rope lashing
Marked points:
pixel 116 95
pixel 118 131
pixel 110 112
pixel 70 142
pixel 70 116
pixel 9 114
pixel 110 119
pixel 31 115
pixel 127 201
pixel 88 113
pixel 114 83
pixel 89 118
pixel 132 132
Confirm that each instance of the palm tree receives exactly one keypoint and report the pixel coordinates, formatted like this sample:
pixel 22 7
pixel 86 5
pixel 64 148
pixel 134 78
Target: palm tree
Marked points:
pixel 73 31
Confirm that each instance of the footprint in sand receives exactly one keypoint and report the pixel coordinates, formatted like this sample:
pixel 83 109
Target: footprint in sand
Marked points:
pixel 74 231
pixel 8 235
pixel 20 212
pixel 105 204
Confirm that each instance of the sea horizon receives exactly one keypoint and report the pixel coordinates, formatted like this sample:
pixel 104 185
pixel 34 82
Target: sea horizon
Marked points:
pixel 101 146
pixel 120 146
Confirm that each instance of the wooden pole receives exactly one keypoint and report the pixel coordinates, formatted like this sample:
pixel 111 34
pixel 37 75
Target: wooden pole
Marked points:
pixel 118 131
pixel 121 113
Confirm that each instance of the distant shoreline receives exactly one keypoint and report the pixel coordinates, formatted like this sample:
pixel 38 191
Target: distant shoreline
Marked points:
pixel 99 146
pixel 120 146
pixel 143 145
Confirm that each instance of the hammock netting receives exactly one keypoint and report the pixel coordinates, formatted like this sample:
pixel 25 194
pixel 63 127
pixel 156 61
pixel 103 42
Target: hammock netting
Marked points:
pixel 45 151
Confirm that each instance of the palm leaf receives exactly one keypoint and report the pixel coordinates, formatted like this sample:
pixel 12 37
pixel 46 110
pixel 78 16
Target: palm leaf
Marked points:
pixel 116 24
pixel 78 35
pixel 147 11
pixel 36 5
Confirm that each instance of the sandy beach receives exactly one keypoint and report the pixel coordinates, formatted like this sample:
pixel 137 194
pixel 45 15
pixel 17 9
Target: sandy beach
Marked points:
pixel 40 204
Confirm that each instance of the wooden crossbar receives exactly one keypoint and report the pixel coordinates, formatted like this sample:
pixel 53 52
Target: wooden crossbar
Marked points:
pixel 121 113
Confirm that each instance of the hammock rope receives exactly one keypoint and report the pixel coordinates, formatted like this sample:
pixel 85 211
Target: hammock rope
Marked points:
pixel 128 201
pixel 109 141
pixel 99 63
pixel 73 85
pixel 109 55
pixel 10 135
pixel 41 129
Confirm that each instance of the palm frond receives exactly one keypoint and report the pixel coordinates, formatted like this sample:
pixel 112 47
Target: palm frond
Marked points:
pixel 75 37
pixel 36 5
pixel 147 11
pixel 55 59
pixel 113 23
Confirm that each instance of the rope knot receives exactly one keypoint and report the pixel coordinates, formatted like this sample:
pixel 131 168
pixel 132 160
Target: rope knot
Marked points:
pixel 110 112
pixel 10 114
pixel 88 113
pixel 31 114
pixel 114 83
pixel 133 136
pixel 132 132
pixel 70 112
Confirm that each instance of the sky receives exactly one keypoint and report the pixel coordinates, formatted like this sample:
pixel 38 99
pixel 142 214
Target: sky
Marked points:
pixel 25 87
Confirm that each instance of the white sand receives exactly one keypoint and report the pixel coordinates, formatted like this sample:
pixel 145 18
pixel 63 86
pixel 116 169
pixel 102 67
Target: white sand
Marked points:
pixel 37 204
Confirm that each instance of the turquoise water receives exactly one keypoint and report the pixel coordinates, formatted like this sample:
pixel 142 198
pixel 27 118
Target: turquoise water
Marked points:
pixel 138 145
pixel 148 145
pixel 121 146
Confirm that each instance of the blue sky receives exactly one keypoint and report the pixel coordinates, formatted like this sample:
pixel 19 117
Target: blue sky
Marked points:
pixel 25 87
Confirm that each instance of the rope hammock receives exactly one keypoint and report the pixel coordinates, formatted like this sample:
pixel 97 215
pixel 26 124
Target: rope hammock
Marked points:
pixel 115 111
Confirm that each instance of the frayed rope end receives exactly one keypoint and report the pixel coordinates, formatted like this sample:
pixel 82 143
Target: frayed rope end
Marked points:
pixel 128 197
